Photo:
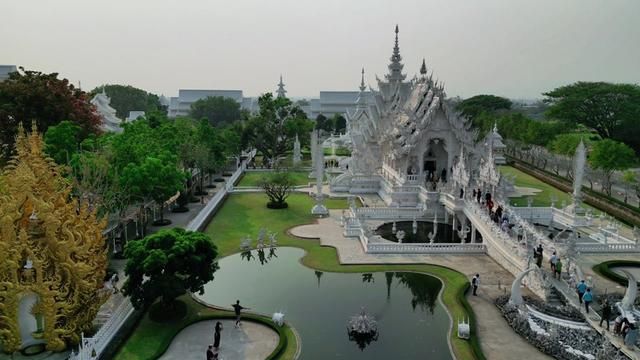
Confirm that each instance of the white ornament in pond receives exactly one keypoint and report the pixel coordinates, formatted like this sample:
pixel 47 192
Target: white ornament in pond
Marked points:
pixel 400 235
pixel 278 318
pixel 464 330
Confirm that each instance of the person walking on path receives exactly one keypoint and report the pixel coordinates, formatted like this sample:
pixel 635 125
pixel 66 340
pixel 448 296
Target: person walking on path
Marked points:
pixel 552 261
pixel 606 313
pixel 216 335
pixel 581 288
pixel 475 282
pixel 587 298
pixel 558 269
pixel 238 308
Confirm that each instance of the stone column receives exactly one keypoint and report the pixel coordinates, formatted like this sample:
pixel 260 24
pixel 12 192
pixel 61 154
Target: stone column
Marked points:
pixel 453 227
pixel 473 233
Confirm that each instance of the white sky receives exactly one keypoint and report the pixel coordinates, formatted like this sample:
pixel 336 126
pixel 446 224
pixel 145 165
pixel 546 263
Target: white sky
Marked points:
pixel 513 48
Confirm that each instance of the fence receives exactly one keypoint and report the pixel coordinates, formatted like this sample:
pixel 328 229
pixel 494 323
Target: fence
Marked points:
pixel 90 348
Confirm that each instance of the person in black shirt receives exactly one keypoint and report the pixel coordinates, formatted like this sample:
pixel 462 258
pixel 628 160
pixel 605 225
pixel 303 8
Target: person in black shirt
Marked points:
pixel 237 308
pixel 210 353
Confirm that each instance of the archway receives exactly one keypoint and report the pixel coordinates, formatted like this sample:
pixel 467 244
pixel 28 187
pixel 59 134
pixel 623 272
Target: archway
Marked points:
pixel 435 160
pixel 27 322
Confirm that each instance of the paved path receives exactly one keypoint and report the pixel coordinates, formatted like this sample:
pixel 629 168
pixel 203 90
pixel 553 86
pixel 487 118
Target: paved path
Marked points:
pixel 248 342
pixel 498 340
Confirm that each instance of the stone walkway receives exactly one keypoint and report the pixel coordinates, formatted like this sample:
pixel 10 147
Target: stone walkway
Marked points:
pixel 251 341
pixel 498 340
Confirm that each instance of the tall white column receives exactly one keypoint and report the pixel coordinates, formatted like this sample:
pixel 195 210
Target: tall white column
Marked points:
pixel 473 233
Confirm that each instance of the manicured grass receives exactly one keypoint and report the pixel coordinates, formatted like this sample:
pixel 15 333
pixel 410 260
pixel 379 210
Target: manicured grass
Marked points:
pixel 151 339
pixel 241 216
pixel 253 178
pixel 542 198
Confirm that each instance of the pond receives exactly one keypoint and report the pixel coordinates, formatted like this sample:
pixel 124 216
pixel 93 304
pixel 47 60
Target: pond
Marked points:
pixel 412 323
pixel 445 233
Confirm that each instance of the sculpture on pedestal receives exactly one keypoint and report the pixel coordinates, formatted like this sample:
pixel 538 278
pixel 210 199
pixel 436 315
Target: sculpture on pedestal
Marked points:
pixel 54 253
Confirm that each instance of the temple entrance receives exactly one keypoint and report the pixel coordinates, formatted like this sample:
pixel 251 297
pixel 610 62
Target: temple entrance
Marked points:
pixel 429 167
pixel 26 320
pixel 436 160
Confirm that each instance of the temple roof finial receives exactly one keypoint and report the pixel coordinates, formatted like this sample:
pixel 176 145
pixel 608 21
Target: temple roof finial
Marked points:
pixel 281 91
pixel 423 68
pixel 362 87
pixel 395 67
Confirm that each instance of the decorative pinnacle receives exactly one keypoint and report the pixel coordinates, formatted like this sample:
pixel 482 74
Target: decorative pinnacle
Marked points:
pixel 362 87
pixel 423 68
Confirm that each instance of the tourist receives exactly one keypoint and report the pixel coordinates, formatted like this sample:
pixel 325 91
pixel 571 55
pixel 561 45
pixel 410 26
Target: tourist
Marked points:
pixel 553 261
pixel 474 194
pixel 210 354
pixel 539 256
pixel 461 193
pixel 475 282
pixel 624 326
pixel 631 336
pixel 581 288
pixel 237 308
pixel 478 195
pixel 216 335
pixel 587 298
pixel 114 282
pixel 443 175
pixel 606 313
pixel 558 269
pixel 617 325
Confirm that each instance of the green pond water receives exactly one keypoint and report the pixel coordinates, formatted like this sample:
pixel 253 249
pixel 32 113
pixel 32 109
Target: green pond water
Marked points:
pixel 412 323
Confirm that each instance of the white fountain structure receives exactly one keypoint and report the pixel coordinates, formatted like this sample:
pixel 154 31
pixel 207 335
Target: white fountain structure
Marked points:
pixel 319 209
pixel 297 155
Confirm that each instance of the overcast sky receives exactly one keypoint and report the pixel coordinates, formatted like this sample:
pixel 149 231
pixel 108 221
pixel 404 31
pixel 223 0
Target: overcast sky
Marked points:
pixel 513 48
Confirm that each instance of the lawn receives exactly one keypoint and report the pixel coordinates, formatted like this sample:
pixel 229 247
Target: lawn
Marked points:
pixel 252 178
pixel 542 198
pixel 244 214
pixel 150 339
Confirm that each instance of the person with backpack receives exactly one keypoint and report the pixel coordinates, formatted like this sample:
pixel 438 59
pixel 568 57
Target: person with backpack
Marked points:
pixel 581 288
pixel 606 313
pixel 587 298
pixel 475 283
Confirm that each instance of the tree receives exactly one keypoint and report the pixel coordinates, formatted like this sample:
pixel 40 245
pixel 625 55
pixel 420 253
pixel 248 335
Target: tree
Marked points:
pixel 339 123
pixel 217 109
pixel 474 106
pixel 28 96
pixel 125 98
pixel 612 110
pixel 168 264
pixel 631 181
pixel 156 178
pixel 321 122
pixel 565 144
pixel 608 156
pixel 277 186
pixel 61 141
pixel 272 130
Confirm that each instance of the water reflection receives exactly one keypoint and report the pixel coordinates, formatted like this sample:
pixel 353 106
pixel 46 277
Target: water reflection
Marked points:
pixel 411 323
pixel 263 258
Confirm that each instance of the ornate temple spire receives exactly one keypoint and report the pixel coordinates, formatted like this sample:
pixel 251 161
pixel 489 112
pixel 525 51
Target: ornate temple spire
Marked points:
pixel 362 100
pixel 423 69
pixel 395 67
pixel 281 91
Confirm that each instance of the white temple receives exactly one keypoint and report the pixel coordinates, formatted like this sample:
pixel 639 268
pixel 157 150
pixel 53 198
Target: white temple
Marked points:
pixel 493 142
pixel 110 122
pixel 281 92
pixel 407 135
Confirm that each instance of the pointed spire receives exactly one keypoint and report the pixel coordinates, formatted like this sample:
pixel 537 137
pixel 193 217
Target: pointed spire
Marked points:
pixel 362 101
pixel 395 67
pixel 423 68
pixel 281 91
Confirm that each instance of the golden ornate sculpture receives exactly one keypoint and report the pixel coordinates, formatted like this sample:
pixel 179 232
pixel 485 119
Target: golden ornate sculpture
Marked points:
pixel 51 251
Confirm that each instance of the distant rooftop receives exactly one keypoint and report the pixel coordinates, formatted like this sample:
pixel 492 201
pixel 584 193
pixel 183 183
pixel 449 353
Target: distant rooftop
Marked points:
pixel 5 70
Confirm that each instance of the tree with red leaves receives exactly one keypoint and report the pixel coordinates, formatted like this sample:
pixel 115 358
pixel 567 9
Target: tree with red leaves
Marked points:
pixel 28 96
